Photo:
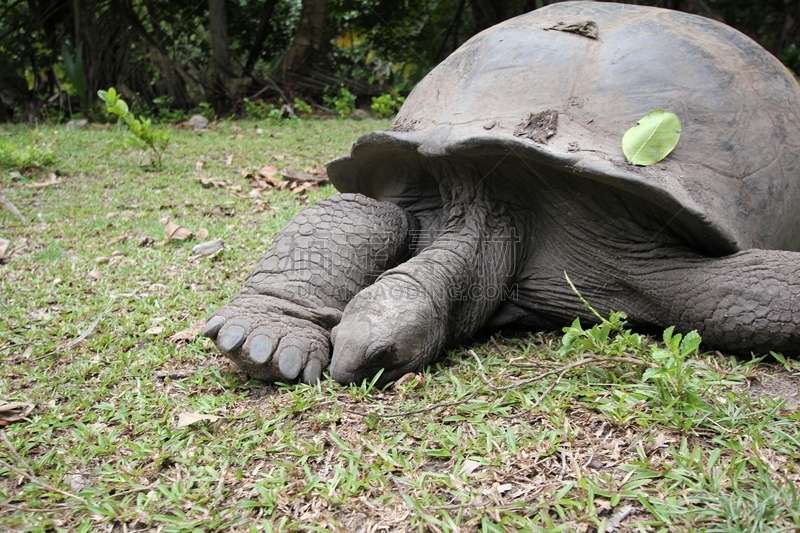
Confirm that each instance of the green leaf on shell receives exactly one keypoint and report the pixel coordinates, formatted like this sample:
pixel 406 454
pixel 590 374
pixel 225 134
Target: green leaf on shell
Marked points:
pixel 653 139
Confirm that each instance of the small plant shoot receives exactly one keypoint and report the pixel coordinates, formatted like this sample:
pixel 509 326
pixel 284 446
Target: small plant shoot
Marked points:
pixel 154 139
pixel 653 139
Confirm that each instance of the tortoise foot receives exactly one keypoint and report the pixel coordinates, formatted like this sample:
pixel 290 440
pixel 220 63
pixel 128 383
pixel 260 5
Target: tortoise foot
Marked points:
pixel 271 339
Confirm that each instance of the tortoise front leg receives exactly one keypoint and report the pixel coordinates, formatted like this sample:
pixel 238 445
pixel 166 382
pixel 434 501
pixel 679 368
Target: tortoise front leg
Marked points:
pixel 439 298
pixel 277 328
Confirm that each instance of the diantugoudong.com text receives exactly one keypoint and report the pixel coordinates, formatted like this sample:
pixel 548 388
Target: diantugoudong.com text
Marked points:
pixel 411 292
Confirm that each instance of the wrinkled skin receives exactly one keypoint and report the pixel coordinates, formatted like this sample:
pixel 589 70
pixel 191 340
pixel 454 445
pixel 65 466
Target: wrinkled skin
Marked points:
pixel 489 264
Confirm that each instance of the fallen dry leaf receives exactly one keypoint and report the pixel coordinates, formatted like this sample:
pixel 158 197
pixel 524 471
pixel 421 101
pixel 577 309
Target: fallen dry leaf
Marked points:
pixel 236 127
pixel 265 178
pixel 52 180
pixel 198 166
pixel 268 173
pixel 410 380
pixel 189 333
pixel 155 330
pixel 310 179
pixel 279 157
pixel 228 159
pixel 175 232
pixel 201 234
pixel 6 255
pixel 469 466
pixel 115 240
pixel 78 482
pixel 185 419
pixel 122 262
pixel 316 171
pixel 615 522
pixel 220 210
pixel 11 412
pixel 239 137
pixel 299 188
pixel 587 28
pixel 218 183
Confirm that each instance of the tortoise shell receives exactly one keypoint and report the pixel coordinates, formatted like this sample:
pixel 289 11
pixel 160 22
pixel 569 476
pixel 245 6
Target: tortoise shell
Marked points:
pixel 732 182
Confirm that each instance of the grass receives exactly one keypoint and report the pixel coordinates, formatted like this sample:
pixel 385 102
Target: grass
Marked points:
pixel 591 429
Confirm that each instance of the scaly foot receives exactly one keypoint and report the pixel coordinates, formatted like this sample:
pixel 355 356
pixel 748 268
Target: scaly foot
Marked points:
pixel 273 339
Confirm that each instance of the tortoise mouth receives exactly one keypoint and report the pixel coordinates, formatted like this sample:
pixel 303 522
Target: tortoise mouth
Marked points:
pixel 403 167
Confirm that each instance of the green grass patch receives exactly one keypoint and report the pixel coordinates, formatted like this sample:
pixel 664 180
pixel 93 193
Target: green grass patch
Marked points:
pixel 592 429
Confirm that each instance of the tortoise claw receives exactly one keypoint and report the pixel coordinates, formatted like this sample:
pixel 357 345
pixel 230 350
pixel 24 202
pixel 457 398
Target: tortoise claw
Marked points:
pixel 261 348
pixel 312 372
pixel 212 327
pixel 231 339
pixel 291 362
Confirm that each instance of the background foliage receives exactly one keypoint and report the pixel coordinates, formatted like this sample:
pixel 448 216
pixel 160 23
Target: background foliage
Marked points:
pixel 56 54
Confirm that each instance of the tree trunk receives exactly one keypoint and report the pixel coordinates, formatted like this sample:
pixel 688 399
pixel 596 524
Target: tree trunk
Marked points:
pixel 790 33
pixel 258 44
pixel 308 39
pixel 219 42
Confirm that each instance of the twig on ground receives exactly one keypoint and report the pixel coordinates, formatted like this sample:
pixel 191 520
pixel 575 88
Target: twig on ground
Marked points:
pixel 458 506
pixel 80 338
pixel 496 345
pixel 221 481
pixel 59 509
pixel 15 453
pixel 398 484
pixel 576 364
pixel 561 371
pixel 480 365
pixel 41 483
pixel 163 374
pixel 11 207
pixel 545 394
pixel 140 489
pixel 433 407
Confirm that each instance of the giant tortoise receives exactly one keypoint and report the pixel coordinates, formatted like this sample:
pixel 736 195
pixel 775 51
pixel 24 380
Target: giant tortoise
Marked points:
pixel 503 172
